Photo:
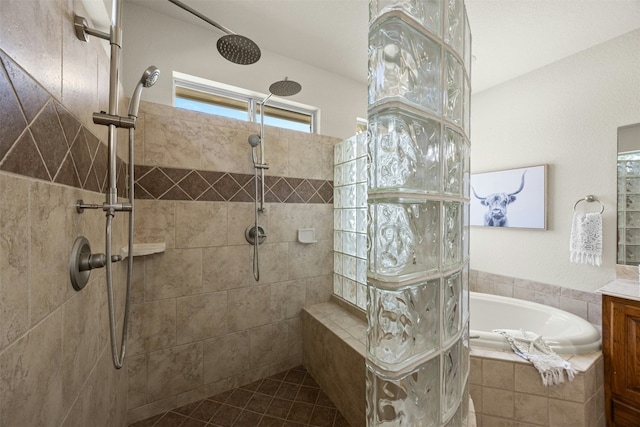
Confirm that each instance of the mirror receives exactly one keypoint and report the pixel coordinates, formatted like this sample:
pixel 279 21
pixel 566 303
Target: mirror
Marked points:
pixel 629 195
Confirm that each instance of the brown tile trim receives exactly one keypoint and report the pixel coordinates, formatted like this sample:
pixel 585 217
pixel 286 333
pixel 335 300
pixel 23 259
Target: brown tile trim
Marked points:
pixel 157 182
pixel 43 140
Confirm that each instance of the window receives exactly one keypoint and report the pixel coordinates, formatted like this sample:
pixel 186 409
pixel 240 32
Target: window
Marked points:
pixel 211 97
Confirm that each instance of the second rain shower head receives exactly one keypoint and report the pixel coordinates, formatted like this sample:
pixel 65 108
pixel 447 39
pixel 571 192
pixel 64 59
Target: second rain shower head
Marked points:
pixel 148 79
pixel 233 47
pixel 285 87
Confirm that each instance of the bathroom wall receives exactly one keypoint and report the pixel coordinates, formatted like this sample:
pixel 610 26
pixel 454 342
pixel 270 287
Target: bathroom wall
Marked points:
pixel 200 323
pixel 191 49
pixel 565 115
pixel 55 357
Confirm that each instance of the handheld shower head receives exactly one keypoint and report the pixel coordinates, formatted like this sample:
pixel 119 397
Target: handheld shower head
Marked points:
pixel 148 79
pixel 254 140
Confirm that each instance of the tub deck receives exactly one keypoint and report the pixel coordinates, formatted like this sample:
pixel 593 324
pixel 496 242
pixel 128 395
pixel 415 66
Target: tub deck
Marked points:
pixel 334 353
pixel 506 390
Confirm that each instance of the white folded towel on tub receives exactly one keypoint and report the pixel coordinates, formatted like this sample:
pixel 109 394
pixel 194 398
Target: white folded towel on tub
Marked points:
pixel 531 347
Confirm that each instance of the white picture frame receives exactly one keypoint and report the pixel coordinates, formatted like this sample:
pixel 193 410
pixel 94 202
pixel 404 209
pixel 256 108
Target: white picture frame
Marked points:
pixel 510 198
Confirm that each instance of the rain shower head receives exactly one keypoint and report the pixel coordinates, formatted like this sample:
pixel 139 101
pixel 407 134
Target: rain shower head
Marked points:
pixel 254 140
pixel 285 87
pixel 148 79
pixel 233 47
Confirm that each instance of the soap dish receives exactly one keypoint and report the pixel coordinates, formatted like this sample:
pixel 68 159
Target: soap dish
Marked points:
pixel 307 235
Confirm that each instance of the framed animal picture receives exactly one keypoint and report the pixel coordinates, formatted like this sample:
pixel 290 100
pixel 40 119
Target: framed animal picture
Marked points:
pixel 512 198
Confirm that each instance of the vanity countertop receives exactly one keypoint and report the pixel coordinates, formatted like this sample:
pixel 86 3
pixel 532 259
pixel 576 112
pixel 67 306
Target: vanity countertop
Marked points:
pixel 622 288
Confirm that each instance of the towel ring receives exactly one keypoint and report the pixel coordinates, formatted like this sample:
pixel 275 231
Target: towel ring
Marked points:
pixel 590 198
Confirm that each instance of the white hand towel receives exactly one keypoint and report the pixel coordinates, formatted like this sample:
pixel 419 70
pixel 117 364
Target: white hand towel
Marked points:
pixel 586 238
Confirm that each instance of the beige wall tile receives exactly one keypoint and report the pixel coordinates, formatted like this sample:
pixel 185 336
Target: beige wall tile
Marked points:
pixel 137 385
pixel 226 356
pixel 306 159
pixel 156 222
pixel 174 370
pixel 531 409
pixel 172 142
pixel 202 224
pixel 528 380
pixel 571 390
pixel 225 149
pixel 499 403
pixel 248 308
pixel 174 273
pixel 152 326
pixel 241 216
pixel 476 395
pixel 565 414
pixel 53 224
pixel 80 60
pixel 14 259
pixel 34 39
pixel 272 259
pixel 276 152
pixel 201 316
pixel 319 289
pixel 475 371
pixel 294 338
pixel 151 409
pixel 287 218
pixel 85 325
pixel 489 421
pixel 31 377
pixel 226 267
pixel 268 344
pixel 288 298
pixel 310 260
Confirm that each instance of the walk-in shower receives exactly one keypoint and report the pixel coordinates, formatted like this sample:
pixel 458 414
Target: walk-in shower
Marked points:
pixel 282 88
pixel 235 48
pixel 232 46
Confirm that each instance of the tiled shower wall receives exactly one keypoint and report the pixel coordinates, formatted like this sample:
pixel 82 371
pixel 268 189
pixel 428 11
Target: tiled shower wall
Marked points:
pixel 55 361
pixel 200 323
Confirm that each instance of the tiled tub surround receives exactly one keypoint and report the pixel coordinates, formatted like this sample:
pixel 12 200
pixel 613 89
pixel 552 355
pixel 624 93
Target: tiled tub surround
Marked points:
pixel 55 358
pixel 587 305
pixel 200 323
pixel 506 390
pixel 334 353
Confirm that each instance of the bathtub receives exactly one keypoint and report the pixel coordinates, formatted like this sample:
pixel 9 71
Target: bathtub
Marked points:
pixel 564 332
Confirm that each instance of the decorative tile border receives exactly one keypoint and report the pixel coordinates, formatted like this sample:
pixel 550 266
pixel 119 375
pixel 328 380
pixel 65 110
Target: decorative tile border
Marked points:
pixel 41 139
pixel 154 182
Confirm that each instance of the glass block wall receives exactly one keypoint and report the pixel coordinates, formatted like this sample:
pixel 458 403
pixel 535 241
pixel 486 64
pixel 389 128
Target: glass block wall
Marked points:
pixel 418 213
pixel 350 220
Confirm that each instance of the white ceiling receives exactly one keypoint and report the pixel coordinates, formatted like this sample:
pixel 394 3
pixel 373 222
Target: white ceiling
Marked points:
pixel 510 37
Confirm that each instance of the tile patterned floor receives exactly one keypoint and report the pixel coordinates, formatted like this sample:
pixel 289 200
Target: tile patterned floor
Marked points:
pixel 289 399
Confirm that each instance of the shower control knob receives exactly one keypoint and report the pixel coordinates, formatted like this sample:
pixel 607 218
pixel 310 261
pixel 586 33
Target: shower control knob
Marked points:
pixel 116 258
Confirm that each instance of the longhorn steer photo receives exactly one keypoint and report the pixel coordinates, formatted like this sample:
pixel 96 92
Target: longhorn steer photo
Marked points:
pixel 496 214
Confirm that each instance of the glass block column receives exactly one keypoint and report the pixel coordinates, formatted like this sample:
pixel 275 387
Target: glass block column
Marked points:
pixel 418 213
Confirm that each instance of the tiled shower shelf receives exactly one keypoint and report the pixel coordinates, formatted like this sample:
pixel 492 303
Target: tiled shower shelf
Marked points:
pixel 142 249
